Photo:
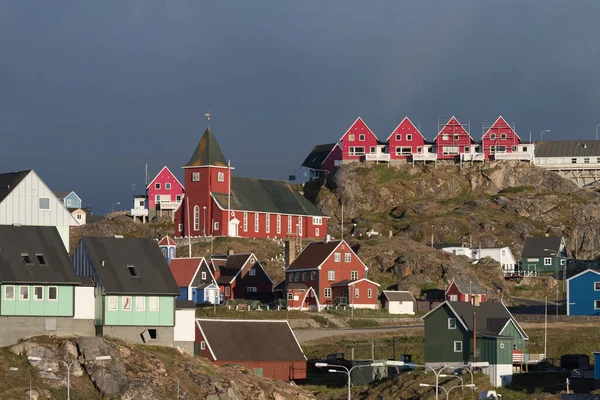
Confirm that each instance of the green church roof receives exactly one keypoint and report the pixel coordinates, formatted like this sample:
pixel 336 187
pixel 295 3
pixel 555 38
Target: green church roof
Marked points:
pixel 208 152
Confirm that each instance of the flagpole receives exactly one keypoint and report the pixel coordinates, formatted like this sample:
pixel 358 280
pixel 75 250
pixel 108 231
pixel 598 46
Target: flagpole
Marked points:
pixel 187 203
pixel 229 197
pixel 545 327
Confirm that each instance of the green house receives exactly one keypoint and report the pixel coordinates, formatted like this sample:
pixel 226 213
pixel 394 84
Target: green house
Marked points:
pixel 135 290
pixel 544 255
pixel 451 328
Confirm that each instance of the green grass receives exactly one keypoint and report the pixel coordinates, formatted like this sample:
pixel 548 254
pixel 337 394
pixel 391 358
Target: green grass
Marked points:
pixel 516 189
pixel 371 313
pixel 224 312
pixel 363 323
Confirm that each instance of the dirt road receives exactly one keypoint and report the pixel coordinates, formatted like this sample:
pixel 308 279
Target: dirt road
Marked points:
pixel 306 335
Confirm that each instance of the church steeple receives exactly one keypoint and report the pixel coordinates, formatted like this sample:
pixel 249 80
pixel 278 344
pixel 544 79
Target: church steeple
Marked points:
pixel 208 152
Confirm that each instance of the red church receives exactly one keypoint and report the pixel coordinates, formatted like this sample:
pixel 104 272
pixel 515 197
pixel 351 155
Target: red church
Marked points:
pixel 218 204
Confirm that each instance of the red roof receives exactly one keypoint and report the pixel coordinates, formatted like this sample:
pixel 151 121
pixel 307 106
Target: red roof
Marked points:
pixel 184 269
pixel 167 241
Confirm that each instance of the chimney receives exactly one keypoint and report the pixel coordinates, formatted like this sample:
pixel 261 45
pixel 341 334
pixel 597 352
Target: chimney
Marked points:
pixel 477 300
pixel 327 239
pixel 229 252
pixel 290 253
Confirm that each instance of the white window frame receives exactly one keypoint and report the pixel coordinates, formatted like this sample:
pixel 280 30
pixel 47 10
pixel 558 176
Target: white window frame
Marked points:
pixel 356 293
pixel 278 223
pixel 113 303
pixel 196 218
pixel 596 304
pixel 361 137
pixel 228 291
pixel 123 303
pixel 317 232
pixel 351 137
pixel 453 297
pixel 370 293
pixel 317 220
pixel 300 226
pixel 398 136
pixel 353 275
pixel 408 137
pixel 203 275
pixel 256 221
pixel 35 295
pixel 289 224
pixel 268 223
pixel 69 202
pixel 503 136
pixel 597 286
pixel 40 203
pixel 177 198
pixel 492 136
pixel 562 261
pixel 78 216
pixel 180 227
pixel 252 271
pixel 331 275
pixel 337 257
pixel 202 345
pixel 195 176
pixel 24 296
pixel 220 177
pixel 451 323
pixel 245 222
pixel 450 150
pixel 356 150
pixel 6 297
pixel 460 349
pixel 150 300
pixel 140 303
pixel 327 293
pixel 157 186
pixel 347 257
pixel 290 296
pixel 168 186
pixel 547 261
pixel 216 226
pixel 444 137
pixel 251 289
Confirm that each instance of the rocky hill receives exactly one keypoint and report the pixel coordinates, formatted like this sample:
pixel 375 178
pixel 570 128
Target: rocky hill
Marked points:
pixel 134 372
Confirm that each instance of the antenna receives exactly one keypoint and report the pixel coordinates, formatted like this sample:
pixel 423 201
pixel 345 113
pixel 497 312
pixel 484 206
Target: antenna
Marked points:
pixel 146 175
pixel 207 115
pixel 133 188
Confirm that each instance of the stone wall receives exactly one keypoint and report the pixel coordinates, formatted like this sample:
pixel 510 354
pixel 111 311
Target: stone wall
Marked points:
pixel 12 329
pixel 571 319
pixel 132 334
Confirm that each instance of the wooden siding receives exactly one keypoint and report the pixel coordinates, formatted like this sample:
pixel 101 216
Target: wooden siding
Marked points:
pixel 64 306
pixel 163 177
pixel 352 139
pixel 452 135
pixel 439 340
pixel 399 139
pixel 499 134
pixel 582 294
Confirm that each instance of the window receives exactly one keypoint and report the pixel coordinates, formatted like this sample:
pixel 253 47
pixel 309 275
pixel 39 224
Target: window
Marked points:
pixel 500 149
pixel 113 302
pixel 547 261
pixel 255 222
pixel 501 345
pixel 268 223
pixel 403 150
pixel 398 137
pixel 291 277
pixel 152 333
pixel 373 150
pixel 299 226
pixel 525 149
pixel 573 161
pixel 451 323
pixel 598 160
pixel 78 216
pixel 132 271
pixel 297 276
pixel 245 222
pixel 327 293
pixel 467 149
pixel 353 275
pixel 347 257
pixel 492 149
pixel 361 137
pixel 252 272
pixel 168 186
pixel 562 261
pixel 216 226
pixel 514 148
pixel 9 292
pixel 444 137
pixel 196 218
pixel 503 136
pixel 44 203
pixel 289 224
pixel 140 303
pixel 331 275
pixel 514 346
pixel 456 137
pixel 356 293
pixel 317 220
pixel 24 293
pixel 453 297
pixel 126 303
pixel 195 176
pixel 586 160
pixel 409 137
pixel 337 257
pixel 221 177
pixel 419 149
pixel 278 223
pixel 180 227
pixel 153 303
pixel 202 345
pixel 38 293
pixel 317 232
pixel 177 198
pixel 290 296
pixel 357 151
pixel 251 289
pixel 351 137
pixel 26 258
pixel 457 346
pixel 313 275
pixel 227 291
pixel 304 274
pixel 492 136
pixel 597 286
pixel 53 293
pixel 449 150
pixel 596 304
pixel 370 293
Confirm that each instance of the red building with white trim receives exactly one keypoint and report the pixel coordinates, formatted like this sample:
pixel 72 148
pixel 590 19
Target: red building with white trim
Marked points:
pixel 329 273
pixel 241 276
pixel 166 190
pixel 405 140
pixel 452 141
pixel 500 138
pixel 358 141
pixel 465 291
pixel 218 204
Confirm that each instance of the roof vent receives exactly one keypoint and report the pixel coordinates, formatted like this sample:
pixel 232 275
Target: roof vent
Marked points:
pixel 118 236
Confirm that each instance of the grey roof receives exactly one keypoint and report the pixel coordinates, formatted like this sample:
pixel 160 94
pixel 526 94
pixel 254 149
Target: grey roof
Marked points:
pixel 265 195
pixel 318 155
pixel 468 287
pixel 568 148
pixel 393 295
pixel 154 278
pixel 9 181
pixel 535 246
pixel 181 304
pixel 490 317
pixel 62 194
pixel 240 340
pixel 232 266
pixel 34 240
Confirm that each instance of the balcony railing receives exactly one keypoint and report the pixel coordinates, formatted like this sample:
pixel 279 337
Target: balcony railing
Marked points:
pixel 377 157
pixel 424 156
pixel 169 205
pixel 514 156
pixel 472 156
pixel 139 212
pixel 520 358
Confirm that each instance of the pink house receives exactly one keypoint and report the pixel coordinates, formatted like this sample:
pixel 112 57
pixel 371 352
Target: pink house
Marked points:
pixel 165 192
pixel 406 140
pixel 453 141
pixel 359 142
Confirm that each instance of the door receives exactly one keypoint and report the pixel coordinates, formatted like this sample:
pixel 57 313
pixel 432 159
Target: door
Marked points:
pixel 233 227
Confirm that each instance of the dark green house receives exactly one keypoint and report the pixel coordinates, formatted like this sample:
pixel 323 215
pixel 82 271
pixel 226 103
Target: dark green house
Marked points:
pixel 451 327
pixel 544 255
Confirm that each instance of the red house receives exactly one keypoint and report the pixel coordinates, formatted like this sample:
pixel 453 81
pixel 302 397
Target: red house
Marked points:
pixel 323 159
pixel 165 192
pixel 329 273
pixel 240 276
pixel 465 291
pixel 268 348
pixel 360 141
pixel 217 204
pixel 452 141
pixel 500 139
pixel 405 140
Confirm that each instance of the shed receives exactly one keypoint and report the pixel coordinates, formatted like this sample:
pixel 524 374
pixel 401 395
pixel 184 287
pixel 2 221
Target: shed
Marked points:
pixel 398 302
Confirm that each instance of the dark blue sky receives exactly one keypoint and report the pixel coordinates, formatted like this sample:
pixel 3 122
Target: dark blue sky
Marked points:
pixel 91 91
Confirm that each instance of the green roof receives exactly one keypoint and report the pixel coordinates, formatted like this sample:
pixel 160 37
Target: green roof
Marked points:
pixel 208 152
pixel 268 196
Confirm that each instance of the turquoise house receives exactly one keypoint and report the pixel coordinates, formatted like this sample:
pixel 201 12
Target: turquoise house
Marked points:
pixel 69 199
pixel 135 291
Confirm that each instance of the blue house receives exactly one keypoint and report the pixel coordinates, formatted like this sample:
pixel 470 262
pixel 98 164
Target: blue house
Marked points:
pixel 583 293
pixel 168 248
pixel 69 199
pixel 195 280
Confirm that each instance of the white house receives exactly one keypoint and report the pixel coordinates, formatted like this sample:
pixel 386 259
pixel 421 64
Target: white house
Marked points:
pixel 502 255
pixel 26 200
pixel 398 302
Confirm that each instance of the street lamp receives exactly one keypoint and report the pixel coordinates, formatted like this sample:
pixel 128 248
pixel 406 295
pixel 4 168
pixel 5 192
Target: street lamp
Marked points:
pixel 114 204
pixel 347 371
pixel 469 385
pixel 437 387
pixel 436 373
pixel 542 134
pixel 204 218
pixel 68 365
pixel 16 369
pixel 555 254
